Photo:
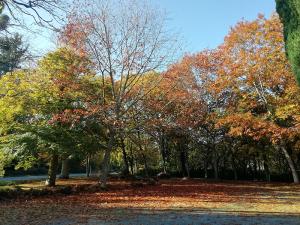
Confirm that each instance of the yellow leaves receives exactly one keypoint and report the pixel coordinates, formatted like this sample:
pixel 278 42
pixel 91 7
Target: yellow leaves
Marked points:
pixel 286 111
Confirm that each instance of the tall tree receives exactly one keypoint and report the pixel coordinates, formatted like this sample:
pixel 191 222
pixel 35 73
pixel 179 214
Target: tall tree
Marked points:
pixel 256 70
pixel 125 40
pixel 289 11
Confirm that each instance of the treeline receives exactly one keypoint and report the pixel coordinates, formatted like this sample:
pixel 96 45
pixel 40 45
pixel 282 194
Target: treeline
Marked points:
pixel 231 112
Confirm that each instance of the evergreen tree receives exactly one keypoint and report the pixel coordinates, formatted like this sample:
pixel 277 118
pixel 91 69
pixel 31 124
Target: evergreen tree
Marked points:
pixel 289 12
pixel 12 51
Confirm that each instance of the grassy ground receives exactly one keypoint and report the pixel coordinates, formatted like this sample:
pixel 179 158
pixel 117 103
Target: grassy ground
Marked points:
pixel 170 202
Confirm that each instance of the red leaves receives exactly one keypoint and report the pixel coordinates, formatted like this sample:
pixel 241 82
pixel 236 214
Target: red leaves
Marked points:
pixel 69 116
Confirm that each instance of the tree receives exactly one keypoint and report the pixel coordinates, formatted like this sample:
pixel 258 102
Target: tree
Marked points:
pixel 12 48
pixel 256 71
pixel 289 11
pixel 40 108
pixel 12 52
pixel 125 40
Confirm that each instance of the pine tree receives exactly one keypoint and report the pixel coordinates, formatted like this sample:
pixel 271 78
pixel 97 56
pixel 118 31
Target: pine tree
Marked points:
pixel 289 12
pixel 11 53
pixel 12 49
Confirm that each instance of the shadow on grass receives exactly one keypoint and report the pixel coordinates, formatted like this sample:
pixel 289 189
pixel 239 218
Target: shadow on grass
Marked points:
pixel 168 217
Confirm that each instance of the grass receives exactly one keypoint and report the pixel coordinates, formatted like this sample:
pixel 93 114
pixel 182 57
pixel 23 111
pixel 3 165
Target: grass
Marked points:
pixel 7 183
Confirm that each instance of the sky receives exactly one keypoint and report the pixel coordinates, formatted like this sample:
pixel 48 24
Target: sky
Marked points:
pixel 205 23
pixel 201 24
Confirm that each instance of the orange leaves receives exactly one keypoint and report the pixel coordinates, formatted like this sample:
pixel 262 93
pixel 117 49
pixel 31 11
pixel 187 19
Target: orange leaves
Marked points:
pixel 69 116
pixel 256 73
pixel 74 34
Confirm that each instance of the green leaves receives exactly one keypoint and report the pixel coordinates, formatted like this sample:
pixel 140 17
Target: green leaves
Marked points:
pixel 12 50
pixel 289 11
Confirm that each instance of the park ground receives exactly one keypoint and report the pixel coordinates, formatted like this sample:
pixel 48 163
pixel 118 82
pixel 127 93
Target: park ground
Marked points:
pixel 173 201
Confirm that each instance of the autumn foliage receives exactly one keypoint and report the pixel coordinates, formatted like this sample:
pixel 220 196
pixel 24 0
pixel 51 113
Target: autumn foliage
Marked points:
pixel 106 98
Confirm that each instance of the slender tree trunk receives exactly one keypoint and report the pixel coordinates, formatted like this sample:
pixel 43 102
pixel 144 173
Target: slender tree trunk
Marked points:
pixel 215 164
pixel 255 169
pixel 163 152
pixel 187 166
pixel 106 161
pixel 131 161
pixel 146 165
pixel 205 169
pixel 53 166
pixel 205 163
pixel 267 172
pixel 291 164
pixel 65 169
pixel 125 158
pixel 234 168
pixel 245 170
pixel 266 169
pixel 183 159
pixel 216 172
pixel 88 165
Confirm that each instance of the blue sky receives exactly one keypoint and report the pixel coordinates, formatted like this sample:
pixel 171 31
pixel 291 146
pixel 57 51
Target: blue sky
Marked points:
pixel 201 23
pixel 205 23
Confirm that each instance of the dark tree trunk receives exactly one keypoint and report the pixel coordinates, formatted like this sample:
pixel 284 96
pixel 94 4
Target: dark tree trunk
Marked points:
pixel 131 160
pixel 125 158
pixel 88 168
pixel 163 150
pixel 233 165
pixel 267 172
pixel 215 163
pixel 205 170
pixel 205 163
pixel 266 169
pixel 184 159
pixel 146 165
pixel 65 169
pixel 53 166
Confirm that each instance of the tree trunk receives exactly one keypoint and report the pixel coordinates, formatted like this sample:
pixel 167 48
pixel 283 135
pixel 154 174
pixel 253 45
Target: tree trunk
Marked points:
pixel 266 169
pixel 88 166
pixel 53 166
pixel 183 159
pixel 106 161
pixel 146 165
pixel 163 151
pixel 131 160
pixel 216 173
pixel 65 169
pixel 215 164
pixel 205 163
pixel 291 164
pixel 205 169
pixel 125 158
pixel 234 168
pixel 255 169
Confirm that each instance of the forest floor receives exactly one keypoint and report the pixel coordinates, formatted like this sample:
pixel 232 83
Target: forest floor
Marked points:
pixel 172 201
